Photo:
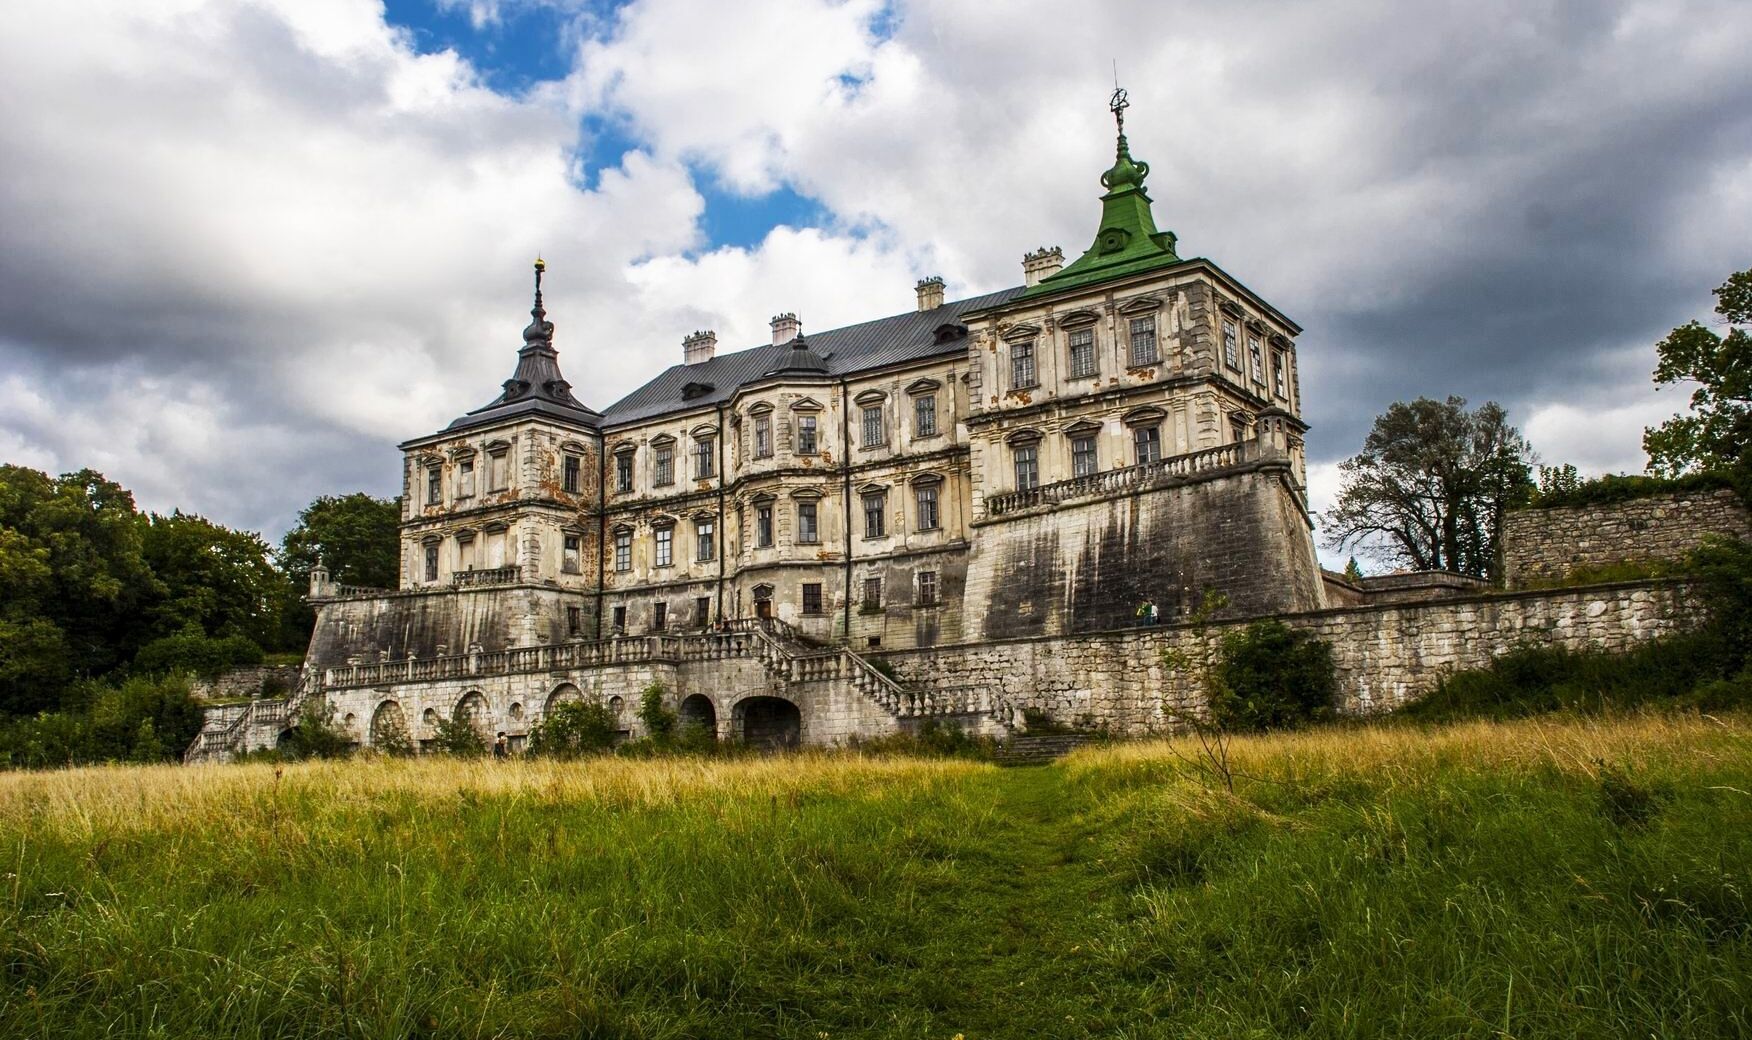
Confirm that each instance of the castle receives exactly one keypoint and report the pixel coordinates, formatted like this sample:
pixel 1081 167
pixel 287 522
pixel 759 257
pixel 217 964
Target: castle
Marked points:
pixel 823 537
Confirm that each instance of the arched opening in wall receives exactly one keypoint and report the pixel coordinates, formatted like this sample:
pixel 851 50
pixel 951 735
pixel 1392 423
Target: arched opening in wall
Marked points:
pixel 473 709
pixel 389 727
pixel 768 722
pixel 697 711
pixel 564 693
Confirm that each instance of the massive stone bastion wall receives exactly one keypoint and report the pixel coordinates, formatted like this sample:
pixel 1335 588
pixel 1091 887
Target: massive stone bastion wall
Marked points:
pixel 1385 655
pixel 1547 544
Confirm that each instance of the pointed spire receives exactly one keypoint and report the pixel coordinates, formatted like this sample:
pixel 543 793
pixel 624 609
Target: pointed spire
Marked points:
pixel 540 330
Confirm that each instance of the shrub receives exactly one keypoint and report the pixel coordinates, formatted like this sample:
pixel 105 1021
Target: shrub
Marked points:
pixel 933 738
pixel 659 721
pixel 1270 676
pixel 1560 489
pixel 316 734
pixel 574 728
pixel 140 720
pixel 194 653
pixel 457 735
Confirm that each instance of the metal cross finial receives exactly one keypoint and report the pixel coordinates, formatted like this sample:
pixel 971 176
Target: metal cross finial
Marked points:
pixel 1117 105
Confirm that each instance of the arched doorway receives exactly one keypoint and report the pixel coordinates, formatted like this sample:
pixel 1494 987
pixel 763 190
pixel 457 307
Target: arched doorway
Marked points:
pixel 474 710
pixel 564 693
pixel 769 722
pixel 389 727
pixel 697 711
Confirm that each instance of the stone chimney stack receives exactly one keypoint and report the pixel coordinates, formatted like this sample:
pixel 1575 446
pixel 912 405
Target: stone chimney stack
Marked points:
pixel 930 292
pixel 1041 263
pixel 785 328
pixel 699 347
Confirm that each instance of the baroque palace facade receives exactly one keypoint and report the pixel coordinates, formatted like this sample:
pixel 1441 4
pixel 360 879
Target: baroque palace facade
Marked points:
pixel 1117 432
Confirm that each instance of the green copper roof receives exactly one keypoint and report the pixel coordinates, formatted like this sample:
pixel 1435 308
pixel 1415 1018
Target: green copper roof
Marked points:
pixel 1128 241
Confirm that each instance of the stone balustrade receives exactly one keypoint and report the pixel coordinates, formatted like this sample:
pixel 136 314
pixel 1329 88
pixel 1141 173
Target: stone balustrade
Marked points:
pixel 1194 464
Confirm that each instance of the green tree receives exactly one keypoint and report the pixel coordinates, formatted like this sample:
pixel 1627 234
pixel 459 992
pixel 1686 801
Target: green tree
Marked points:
pixel 356 537
pixel 1273 677
pixel 1718 429
pixel 659 721
pixel 220 581
pixel 1429 489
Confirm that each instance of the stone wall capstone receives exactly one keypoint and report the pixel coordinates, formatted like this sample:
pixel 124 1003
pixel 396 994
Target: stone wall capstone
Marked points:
pixel 1542 545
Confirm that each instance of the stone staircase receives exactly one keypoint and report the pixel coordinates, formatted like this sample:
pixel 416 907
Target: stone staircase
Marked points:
pixel 1039 750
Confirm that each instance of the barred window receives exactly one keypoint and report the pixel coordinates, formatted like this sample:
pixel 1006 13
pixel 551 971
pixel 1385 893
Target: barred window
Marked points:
pixel 872 593
pixel 763 526
pixel 927 588
pixel 763 436
pixel 702 611
pixel 811 598
pixel 806 435
pixel 1027 466
pixel 875 515
pixel 705 541
pixel 1148 442
pixel 623 472
pixel 1143 341
pixel 1082 353
pixel 665 546
pixel 1083 462
pixel 1022 365
pixel 807 531
pixel 925 498
pixel 663 465
pixel 571 471
pixel 704 465
pixel 873 427
pixel 623 550
pixel 1231 345
pixel 660 615
pixel 925 415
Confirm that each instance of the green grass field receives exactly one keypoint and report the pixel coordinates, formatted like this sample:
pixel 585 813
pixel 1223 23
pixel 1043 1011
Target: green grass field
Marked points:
pixel 1543 878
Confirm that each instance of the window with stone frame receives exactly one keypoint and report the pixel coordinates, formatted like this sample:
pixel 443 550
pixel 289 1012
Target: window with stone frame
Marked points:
pixel 1143 341
pixel 623 471
pixel 1083 460
pixel 465 479
pixel 1147 443
pixel 662 465
pixel 434 485
pixel 665 536
pixel 623 550
pixel 1027 461
pixel 572 554
pixel 620 619
pixel 875 514
pixel 704 464
pixel 1237 428
pixel 574 621
pixel 806 430
pixel 702 611
pixel 925 415
pixel 763 436
pixel 872 601
pixel 1082 344
pixel 1022 372
pixel 808 531
pixel 1279 379
pixel 705 541
pixel 465 551
pixel 1256 355
pixel 927 589
pixel 659 616
pixel 1231 344
pixel 875 430
pixel 498 470
pixel 571 473
pixel 432 561
pixel 925 507
pixel 763 525
pixel 812 598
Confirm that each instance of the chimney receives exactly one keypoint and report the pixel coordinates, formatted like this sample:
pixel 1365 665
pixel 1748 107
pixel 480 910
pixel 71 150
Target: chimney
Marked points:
pixel 699 347
pixel 1041 263
pixel 785 328
pixel 930 292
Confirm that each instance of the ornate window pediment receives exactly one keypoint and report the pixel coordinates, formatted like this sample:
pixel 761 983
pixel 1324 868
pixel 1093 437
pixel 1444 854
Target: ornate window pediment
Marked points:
pixel 1078 318
pixel 626 448
pixel 873 488
pixel 764 498
pixel 428 459
pixel 431 539
pixel 1022 331
pixel 1280 341
pixel 664 520
pixel 662 440
pixel 702 431
pixel 1082 427
pixel 924 479
pixel 923 386
pixel 806 493
pixel 467 534
pixel 459 454
pixel 494 447
pixel 763 408
pixel 573 448
pixel 1255 325
pixel 1145 416
pixel 870 397
pixel 805 404
pixel 1027 436
pixel 1141 304
pixel 496 527
pixel 1229 307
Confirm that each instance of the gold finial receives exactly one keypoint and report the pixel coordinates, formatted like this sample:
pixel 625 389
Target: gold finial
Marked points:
pixel 540 264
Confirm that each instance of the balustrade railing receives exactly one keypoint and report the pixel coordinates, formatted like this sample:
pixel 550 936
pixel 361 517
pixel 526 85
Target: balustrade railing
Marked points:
pixel 1117 480
pixel 495 576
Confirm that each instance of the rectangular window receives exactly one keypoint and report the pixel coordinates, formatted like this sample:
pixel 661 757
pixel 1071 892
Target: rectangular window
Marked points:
pixel 1083 462
pixel 498 478
pixel 1022 365
pixel 623 550
pixel 1279 380
pixel 927 588
pixel 705 541
pixel 571 554
pixel 1231 346
pixel 434 486
pixel 925 501
pixel 574 621
pixel 763 526
pixel 431 563
pixel 925 415
pixel 1082 353
pixel 665 546
pixel 872 594
pixel 875 515
pixel 702 611
pixel 703 458
pixel 763 436
pixel 1143 341
pixel 620 619
pixel 571 471
pixel 623 472
pixel 812 598
pixel 807 532
pixel 1027 458
pixel 874 432
pixel 465 478
pixel 663 465
pixel 465 552
pixel 1257 356
pixel 659 616
pixel 1148 442
pixel 806 435
pixel 1237 429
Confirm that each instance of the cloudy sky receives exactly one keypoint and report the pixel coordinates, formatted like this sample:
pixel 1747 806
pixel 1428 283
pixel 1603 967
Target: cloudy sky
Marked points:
pixel 246 246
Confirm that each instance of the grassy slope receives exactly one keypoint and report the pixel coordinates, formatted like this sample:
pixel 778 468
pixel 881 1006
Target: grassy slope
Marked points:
pixel 1362 882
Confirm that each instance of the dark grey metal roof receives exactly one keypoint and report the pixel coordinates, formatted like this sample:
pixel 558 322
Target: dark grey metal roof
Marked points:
pixel 536 387
pixel 912 336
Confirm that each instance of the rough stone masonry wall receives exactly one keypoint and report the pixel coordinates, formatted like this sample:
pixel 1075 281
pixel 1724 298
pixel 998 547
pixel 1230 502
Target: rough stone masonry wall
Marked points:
pixel 263 680
pixel 1546 544
pixel 1386 656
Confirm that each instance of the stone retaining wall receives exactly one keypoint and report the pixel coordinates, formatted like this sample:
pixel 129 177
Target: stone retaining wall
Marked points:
pixel 261 680
pixel 1542 545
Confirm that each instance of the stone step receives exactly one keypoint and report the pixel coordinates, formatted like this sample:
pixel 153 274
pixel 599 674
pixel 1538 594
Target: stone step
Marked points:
pixel 1040 750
